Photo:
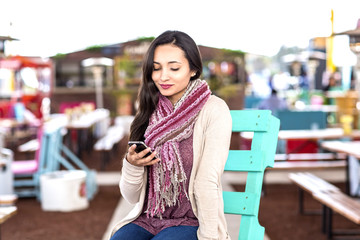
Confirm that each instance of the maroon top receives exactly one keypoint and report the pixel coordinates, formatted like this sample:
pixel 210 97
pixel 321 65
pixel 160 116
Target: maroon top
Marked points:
pixel 180 214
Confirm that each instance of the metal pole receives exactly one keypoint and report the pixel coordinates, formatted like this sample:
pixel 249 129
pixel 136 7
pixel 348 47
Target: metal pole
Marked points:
pixel 97 71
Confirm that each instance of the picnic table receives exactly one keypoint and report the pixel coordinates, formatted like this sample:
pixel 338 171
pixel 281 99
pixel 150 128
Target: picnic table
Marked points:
pixel 352 150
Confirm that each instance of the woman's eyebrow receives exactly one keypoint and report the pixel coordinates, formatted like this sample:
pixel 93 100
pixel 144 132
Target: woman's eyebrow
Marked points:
pixel 175 62
pixel 168 62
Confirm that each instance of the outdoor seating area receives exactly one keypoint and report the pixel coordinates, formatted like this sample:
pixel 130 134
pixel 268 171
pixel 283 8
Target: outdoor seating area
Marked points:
pixel 49 167
pixel 251 122
pixel 108 146
pixel 317 149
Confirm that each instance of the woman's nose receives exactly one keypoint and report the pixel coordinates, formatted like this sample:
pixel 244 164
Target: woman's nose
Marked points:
pixel 164 75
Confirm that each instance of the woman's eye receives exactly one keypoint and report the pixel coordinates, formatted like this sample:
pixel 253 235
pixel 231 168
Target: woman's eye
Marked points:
pixel 175 69
pixel 156 69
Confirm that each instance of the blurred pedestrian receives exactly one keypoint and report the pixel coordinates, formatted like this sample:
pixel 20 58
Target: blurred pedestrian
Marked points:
pixel 332 83
pixel 176 191
pixel 273 103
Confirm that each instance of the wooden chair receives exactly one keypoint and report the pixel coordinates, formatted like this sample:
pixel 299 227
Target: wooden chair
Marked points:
pixel 254 161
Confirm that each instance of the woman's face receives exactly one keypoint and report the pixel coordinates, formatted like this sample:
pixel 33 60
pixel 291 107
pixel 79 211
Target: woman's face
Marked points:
pixel 171 71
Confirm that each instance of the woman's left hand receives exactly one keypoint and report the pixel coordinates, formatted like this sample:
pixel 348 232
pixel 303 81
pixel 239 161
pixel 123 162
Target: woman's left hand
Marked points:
pixel 139 159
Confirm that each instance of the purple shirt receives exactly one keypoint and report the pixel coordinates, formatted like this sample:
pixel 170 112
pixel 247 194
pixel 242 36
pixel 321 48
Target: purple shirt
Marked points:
pixel 179 214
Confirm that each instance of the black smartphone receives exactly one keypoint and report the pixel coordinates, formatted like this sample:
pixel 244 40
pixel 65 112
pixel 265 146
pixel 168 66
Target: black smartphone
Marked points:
pixel 140 146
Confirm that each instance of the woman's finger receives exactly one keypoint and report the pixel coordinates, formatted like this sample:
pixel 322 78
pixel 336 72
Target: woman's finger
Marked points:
pixel 149 160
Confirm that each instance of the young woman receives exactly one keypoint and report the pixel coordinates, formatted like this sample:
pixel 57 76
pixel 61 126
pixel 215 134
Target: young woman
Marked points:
pixel 175 192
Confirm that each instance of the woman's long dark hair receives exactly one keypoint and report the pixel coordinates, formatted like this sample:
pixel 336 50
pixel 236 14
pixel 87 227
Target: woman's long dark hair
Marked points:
pixel 148 93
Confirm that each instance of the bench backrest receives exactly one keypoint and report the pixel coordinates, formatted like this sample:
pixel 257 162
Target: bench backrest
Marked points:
pixel 254 161
pixel 50 143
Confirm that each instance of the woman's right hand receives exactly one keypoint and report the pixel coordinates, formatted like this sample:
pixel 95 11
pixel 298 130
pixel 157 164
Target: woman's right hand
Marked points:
pixel 138 159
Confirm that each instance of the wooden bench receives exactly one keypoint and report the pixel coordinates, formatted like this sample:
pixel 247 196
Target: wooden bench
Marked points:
pixel 311 184
pixel 6 213
pixel 113 136
pixel 342 204
pixel 309 157
pixel 309 165
pixel 332 199
pixel 106 144
pixel 30 146
pixel 7 199
pixel 309 161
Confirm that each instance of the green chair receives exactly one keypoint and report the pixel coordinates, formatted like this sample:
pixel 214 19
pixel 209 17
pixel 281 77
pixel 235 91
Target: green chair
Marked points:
pixel 265 127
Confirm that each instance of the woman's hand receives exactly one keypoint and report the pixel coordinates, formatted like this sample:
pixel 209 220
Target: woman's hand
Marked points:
pixel 138 159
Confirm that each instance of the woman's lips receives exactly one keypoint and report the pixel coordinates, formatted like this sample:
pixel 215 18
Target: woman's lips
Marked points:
pixel 165 86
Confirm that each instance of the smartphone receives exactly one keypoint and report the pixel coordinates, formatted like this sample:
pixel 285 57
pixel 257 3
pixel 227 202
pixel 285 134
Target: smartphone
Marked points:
pixel 140 146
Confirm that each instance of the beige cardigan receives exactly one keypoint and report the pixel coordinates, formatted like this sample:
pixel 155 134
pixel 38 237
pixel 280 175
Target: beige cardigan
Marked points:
pixel 212 133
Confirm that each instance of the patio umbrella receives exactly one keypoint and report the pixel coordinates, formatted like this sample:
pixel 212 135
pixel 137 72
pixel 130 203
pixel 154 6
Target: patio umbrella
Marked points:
pixel 2 43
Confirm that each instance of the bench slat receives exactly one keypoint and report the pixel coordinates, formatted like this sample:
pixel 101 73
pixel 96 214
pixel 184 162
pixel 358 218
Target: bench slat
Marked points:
pixel 250 120
pixel 301 165
pixel 239 203
pixel 244 161
pixel 309 156
pixel 6 213
pixel 114 135
pixel 341 203
pixel 321 183
pixel 311 183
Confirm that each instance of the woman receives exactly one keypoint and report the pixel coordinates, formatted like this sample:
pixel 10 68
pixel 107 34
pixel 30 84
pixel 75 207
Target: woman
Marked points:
pixel 175 191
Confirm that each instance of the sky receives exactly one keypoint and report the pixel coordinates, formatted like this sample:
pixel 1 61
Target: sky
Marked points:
pixel 45 28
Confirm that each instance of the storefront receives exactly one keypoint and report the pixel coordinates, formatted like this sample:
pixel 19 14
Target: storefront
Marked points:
pixel 24 80
pixel 120 82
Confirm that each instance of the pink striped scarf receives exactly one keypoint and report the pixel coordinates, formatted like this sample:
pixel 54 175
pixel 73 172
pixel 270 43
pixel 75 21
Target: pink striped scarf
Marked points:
pixel 168 126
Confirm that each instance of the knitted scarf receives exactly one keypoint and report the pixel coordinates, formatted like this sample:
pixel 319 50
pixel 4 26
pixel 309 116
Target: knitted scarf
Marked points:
pixel 168 126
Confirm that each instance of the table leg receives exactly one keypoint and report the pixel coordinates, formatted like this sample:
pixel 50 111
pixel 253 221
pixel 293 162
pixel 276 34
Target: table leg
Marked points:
pixel 84 141
pixel 324 219
pixel 81 136
pixel 301 201
pixel 329 229
pixel 353 176
pixel 347 177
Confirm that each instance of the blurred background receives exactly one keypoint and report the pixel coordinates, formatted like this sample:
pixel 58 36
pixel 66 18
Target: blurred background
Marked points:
pixel 78 63
pixel 248 48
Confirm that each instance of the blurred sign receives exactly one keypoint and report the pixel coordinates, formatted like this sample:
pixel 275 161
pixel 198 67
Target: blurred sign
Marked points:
pixel 10 64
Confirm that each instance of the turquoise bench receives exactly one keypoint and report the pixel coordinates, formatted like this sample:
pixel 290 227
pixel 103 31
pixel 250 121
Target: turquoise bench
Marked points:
pixel 254 161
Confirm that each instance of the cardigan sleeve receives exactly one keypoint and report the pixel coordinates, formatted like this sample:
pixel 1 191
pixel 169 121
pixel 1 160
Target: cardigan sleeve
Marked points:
pixel 131 182
pixel 207 184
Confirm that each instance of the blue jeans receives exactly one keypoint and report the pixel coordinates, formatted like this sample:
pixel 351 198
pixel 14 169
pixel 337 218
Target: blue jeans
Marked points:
pixel 132 231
